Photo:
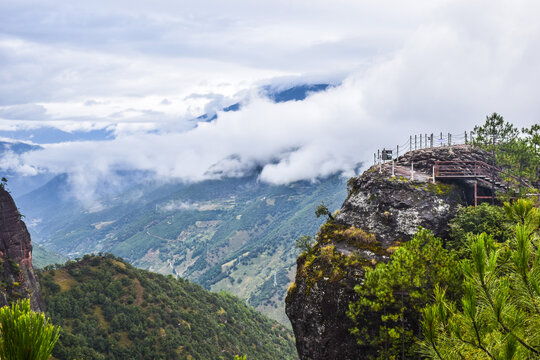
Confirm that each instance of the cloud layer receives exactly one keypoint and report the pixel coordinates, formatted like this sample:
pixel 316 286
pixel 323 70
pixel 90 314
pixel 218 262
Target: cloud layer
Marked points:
pixel 147 72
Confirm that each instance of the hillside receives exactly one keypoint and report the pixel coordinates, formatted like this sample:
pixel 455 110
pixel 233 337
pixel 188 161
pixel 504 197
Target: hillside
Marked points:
pixel 236 234
pixel 110 310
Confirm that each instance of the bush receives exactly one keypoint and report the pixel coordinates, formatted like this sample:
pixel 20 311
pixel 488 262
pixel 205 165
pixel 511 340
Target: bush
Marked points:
pixel 25 334
pixel 471 220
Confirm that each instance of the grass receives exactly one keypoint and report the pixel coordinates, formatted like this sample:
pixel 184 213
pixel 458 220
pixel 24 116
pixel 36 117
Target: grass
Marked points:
pixel 66 281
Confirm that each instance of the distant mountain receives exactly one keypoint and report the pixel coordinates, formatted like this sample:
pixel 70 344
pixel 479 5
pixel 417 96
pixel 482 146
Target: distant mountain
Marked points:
pixel 295 93
pixel 110 310
pixel 16 147
pixel 276 94
pixel 19 184
pixel 51 135
pixel 236 234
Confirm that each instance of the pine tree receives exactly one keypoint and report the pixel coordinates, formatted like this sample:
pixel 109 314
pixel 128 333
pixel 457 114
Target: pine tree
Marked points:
pixel 499 314
pixel 25 334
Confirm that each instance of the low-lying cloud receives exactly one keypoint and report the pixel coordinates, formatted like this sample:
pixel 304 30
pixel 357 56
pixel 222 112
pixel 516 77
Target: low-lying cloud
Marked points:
pixel 176 205
pixel 467 60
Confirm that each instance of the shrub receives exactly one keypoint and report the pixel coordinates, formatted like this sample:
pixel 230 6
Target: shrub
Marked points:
pixel 25 334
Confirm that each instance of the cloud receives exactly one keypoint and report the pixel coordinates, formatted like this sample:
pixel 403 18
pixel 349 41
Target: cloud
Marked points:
pixel 23 112
pixel 9 161
pixel 408 68
pixel 176 205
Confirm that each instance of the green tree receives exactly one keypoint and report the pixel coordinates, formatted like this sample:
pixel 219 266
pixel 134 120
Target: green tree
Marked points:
pixel 25 334
pixel 532 135
pixel 305 243
pixel 518 155
pixel 471 220
pixel 322 210
pixel 495 131
pixel 499 314
pixel 393 294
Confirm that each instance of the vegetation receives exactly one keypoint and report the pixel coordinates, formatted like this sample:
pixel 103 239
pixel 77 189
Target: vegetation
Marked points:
pixel 479 298
pixel 322 210
pixel 471 220
pixel 233 229
pixel 499 314
pixel 111 310
pixel 25 334
pixel 518 154
pixel 305 243
pixel 393 294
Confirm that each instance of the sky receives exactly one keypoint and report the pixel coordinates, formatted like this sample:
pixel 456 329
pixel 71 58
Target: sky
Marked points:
pixel 141 72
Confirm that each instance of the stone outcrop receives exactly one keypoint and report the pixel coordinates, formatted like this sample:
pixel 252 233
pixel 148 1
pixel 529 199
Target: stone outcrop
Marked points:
pixel 379 213
pixel 17 278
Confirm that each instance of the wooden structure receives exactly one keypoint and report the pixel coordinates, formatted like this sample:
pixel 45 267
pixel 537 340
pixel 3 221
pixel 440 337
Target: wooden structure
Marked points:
pixel 478 171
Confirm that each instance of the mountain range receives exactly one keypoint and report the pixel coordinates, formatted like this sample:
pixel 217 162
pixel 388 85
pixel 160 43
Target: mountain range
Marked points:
pixel 234 234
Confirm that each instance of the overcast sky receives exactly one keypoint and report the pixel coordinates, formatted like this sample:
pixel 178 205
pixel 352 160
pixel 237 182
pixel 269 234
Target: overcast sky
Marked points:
pixel 145 69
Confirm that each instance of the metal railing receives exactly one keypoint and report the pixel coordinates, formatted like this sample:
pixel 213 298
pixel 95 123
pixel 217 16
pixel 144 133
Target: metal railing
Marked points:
pixel 423 141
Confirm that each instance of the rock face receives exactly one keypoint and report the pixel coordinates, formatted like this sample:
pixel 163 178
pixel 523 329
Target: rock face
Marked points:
pixel 17 278
pixel 379 213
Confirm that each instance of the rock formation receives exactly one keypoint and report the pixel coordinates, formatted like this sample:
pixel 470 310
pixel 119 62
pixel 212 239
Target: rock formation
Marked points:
pixel 17 278
pixel 379 213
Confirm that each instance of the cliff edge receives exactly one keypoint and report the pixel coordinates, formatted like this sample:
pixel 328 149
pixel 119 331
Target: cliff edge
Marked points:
pixel 380 212
pixel 17 278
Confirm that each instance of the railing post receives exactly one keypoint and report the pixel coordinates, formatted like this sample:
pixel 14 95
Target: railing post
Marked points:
pixel 434 174
pixel 397 152
pixel 475 193
pixel 414 142
pixel 393 174
pixel 410 142
pixel 431 140
pixel 412 170
pixel 441 140
pixel 374 159
pixel 420 141
pixel 380 164
pixel 466 142
pixel 449 139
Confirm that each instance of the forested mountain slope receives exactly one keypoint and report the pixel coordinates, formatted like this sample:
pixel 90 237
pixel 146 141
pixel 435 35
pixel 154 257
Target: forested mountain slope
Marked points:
pixel 236 234
pixel 110 310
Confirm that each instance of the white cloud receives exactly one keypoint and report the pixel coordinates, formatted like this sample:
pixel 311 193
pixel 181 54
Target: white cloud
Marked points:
pixel 409 68
pixel 176 205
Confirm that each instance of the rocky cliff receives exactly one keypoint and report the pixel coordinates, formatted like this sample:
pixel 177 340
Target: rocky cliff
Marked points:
pixel 17 278
pixel 380 212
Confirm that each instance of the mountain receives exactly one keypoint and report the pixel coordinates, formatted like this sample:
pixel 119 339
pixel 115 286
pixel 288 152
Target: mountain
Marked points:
pixel 380 213
pixel 20 184
pixel 277 94
pixel 234 234
pixel 295 93
pixel 110 310
pixel 17 278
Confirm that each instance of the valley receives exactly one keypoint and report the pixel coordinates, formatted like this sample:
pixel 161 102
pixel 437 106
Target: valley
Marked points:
pixel 234 234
